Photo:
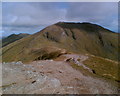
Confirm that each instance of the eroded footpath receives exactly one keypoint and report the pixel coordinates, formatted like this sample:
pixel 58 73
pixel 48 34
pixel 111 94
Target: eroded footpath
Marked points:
pixel 51 77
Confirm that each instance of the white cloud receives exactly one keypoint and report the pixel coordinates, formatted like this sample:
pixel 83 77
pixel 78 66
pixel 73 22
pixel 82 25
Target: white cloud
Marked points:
pixel 30 17
pixel 32 14
pixel 101 13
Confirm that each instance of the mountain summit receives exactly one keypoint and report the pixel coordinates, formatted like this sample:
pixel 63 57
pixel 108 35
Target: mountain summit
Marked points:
pixel 62 37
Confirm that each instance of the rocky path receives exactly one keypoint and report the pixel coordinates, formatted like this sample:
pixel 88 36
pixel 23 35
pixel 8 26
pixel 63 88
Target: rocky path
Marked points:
pixel 51 77
pixel 78 59
pixel 25 79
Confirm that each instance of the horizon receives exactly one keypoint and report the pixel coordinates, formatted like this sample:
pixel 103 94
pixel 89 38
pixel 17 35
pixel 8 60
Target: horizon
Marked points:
pixel 3 36
pixel 18 19
pixel 17 33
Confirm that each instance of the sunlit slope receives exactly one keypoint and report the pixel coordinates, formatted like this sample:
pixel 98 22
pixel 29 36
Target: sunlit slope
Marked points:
pixel 73 37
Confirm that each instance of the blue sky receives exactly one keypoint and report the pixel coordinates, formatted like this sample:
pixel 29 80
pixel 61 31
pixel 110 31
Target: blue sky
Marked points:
pixel 32 17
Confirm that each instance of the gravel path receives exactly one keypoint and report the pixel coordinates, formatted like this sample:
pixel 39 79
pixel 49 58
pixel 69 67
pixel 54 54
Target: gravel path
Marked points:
pixel 51 77
pixel 75 59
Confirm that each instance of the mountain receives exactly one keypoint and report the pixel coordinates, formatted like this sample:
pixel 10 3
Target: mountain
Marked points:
pixel 12 38
pixel 85 48
pixel 62 38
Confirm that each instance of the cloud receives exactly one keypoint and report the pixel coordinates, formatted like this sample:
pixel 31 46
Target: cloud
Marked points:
pixel 33 16
pixel 30 15
pixel 103 13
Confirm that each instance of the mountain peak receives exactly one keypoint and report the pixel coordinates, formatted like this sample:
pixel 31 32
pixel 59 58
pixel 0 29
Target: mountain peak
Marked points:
pixel 86 26
pixel 73 37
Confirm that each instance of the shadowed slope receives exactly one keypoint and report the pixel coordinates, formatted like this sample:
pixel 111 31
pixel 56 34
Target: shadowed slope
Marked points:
pixel 12 38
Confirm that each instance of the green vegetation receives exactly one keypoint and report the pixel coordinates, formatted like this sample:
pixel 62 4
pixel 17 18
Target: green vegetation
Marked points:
pixel 12 38
pixel 6 86
pixel 47 53
pixel 81 69
pixel 76 38
pixel 103 67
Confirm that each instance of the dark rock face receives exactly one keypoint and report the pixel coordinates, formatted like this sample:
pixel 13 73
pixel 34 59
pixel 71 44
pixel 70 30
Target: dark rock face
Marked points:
pixel 94 71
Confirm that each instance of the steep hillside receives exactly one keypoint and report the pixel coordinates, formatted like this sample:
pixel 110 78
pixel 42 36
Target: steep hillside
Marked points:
pixel 81 38
pixel 12 38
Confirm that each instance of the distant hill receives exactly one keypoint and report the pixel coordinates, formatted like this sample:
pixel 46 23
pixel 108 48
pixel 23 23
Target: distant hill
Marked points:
pixel 12 38
pixel 62 37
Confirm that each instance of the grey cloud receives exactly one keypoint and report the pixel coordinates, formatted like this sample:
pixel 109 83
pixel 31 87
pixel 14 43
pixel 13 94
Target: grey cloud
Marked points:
pixel 31 17
pixel 32 14
pixel 21 29
pixel 101 13
pixel 92 10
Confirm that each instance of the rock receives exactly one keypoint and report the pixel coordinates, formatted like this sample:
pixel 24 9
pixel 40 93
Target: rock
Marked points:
pixel 93 71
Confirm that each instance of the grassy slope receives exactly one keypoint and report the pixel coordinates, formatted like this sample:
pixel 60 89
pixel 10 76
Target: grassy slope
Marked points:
pixel 103 67
pixel 12 38
pixel 47 44
pixel 74 39
pixel 93 39
pixel 26 51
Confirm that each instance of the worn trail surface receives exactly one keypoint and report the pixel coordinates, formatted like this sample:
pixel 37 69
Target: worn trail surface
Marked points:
pixel 52 77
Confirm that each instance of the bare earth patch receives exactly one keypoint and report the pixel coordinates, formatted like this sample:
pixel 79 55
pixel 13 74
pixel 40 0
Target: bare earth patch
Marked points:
pixel 52 77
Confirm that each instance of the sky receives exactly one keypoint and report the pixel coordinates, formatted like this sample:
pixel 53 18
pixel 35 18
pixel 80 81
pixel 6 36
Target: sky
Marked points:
pixel 31 17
